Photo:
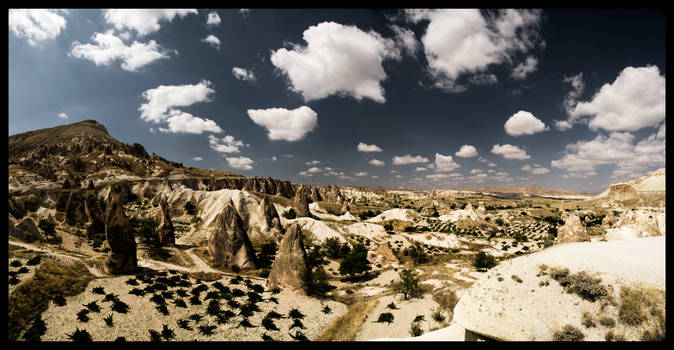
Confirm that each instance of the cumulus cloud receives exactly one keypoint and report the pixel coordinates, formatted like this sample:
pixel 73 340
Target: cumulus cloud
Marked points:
pixel 523 123
pixel 635 100
pixel 283 124
pixel 577 87
pixel 243 74
pixel 197 159
pixel 437 176
pixel 362 173
pixel 273 158
pixel 227 144
pixel 467 151
pixel 483 79
pixel 475 171
pixel 510 152
pixel 36 25
pixel 313 162
pixel 525 68
pixel 377 162
pixel 338 59
pixel 213 19
pixel 108 48
pixel 537 170
pixel 408 159
pixel 305 174
pixel 363 147
pixel 463 41
pixel 420 168
pixel 406 40
pixel 314 170
pixel 162 99
pixel 62 115
pixel 142 21
pixel 185 123
pixel 618 148
pixel 212 40
pixel 241 163
pixel 445 163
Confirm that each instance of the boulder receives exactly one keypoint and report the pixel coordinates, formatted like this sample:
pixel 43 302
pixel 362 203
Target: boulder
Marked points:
pixel 165 228
pixel 25 229
pixel 635 224
pixel 383 255
pixel 75 213
pixel 572 231
pixel 301 202
pixel 95 225
pixel 228 243
pixel 290 269
pixel 331 194
pixel 119 234
pixel 481 210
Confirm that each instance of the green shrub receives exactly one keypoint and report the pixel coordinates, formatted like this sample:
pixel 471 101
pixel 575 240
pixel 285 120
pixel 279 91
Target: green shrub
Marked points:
pixel 355 262
pixel 484 261
pixel 385 317
pixel 568 333
pixel 415 329
pixel 289 214
pixel 190 208
pixel 408 284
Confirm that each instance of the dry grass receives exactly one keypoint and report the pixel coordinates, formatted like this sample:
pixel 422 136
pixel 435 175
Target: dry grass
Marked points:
pixel 639 305
pixel 347 326
pixel 32 297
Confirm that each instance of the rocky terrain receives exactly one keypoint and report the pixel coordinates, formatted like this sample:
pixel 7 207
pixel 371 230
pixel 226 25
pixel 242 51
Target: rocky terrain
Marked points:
pixel 107 242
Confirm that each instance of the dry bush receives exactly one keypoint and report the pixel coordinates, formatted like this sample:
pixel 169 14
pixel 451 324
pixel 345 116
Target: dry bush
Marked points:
pixel 32 297
pixel 446 299
pixel 568 333
pixel 639 304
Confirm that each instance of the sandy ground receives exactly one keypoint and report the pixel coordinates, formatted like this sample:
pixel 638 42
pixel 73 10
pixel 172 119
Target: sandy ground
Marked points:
pixel 143 316
pixel 403 317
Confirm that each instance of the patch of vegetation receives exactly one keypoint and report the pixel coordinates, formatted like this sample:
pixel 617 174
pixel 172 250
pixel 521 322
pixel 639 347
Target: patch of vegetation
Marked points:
pixel 334 248
pixel 120 306
pixel 59 300
pixel 415 329
pixel 108 321
pixel 637 304
pixel 36 330
pixel 268 324
pixel 607 321
pixel 587 320
pixel 581 283
pixel 484 261
pixel 289 214
pixel 568 333
pixel 297 323
pixel 612 336
pixel 326 310
pixel 31 298
pixel 190 208
pixel 266 255
pixel 355 262
pixel 80 336
pixel 516 278
pixel 167 333
pixel 154 335
pixel 385 317
pixel 295 314
pixel 409 284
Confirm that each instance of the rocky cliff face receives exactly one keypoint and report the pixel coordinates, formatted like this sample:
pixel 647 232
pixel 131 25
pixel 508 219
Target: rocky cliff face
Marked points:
pixel 290 269
pixel 122 258
pixel 95 225
pixel 622 193
pixel 301 202
pixel 165 228
pixel 228 243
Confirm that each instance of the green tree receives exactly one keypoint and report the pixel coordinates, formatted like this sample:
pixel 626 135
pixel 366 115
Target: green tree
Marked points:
pixel 484 261
pixel 417 253
pixel 408 284
pixel 266 255
pixel 334 249
pixel 146 230
pixel 190 208
pixel 355 262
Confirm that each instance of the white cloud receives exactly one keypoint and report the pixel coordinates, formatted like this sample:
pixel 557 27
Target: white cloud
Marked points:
pixel 362 173
pixel 510 152
pixel 445 163
pixel 405 39
pixel 525 68
pixel 244 12
pixel 283 124
pixel 523 123
pixel 399 176
pixel 475 171
pixel 437 176
pixel 314 170
pixel 212 40
pixel 313 162
pixel 197 159
pixel 241 163
pixel 273 158
pixel 305 174
pixel 526 167
pixel 377 162
pixel 63 115
pixel 185 123
pixel 152 130
pixel 363 147
pixel 483 79
pixel 243 74
pixel 467 151
pixel 36 25
pixel 491 164
pixel 582 158
pixel 635 100
pixel 408 159
pixel 337 59
pixel 227 144
pixel 538 170
pixel 375 176
pixel 462 41
pixel 143 21
pixel 108 48
pixel 420 168
pixel 162 99
pixel 213 19
pixel 577 87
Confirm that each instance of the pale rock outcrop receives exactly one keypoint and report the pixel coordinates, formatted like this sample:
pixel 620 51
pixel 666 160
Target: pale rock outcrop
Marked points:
pixel 301 202
pixel 462 214
pixel 572 231
pixel 315 195
pixel 122 258
pixel 165 228
pixel 228 243
pixel 94 228
pixel 396 214
pixel 290 269
pixel 635 224
pixel 331 194
pixel 428 211
pixel 383 255
pixel 271 218
pixel 25 229
pixel 622 193
pixel 481 210
pixel 345 208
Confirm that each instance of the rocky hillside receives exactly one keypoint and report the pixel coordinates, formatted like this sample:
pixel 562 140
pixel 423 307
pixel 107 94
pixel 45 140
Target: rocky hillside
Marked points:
pixel 530 191
pixel 648 190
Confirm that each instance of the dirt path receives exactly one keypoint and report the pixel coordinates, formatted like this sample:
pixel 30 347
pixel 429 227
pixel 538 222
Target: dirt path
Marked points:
pixel 92 269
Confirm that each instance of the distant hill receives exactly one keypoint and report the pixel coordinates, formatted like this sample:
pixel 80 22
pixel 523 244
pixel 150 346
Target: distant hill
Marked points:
pixel 650 183
pixel 531 191
pixel 85 149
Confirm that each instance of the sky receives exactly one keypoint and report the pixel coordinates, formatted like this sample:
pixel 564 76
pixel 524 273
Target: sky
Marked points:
pixel 416 98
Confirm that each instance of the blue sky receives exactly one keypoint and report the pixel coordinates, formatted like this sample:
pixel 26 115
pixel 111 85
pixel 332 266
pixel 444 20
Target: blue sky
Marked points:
pixel 434 98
